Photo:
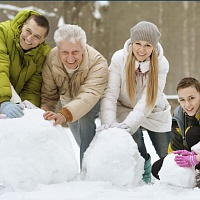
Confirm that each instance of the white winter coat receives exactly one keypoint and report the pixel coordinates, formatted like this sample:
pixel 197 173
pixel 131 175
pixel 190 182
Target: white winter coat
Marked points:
pixel 115 103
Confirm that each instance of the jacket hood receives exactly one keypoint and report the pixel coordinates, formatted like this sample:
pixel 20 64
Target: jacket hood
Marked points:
pixel 21 17
pixel 17 23
pixel 178 117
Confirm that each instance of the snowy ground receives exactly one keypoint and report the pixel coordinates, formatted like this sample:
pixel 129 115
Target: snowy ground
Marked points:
pixel 98 190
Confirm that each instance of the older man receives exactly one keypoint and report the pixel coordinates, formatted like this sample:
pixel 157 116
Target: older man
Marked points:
pixel 77 74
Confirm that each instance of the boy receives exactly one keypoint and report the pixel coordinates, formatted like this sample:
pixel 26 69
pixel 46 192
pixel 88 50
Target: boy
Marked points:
pixel 185 134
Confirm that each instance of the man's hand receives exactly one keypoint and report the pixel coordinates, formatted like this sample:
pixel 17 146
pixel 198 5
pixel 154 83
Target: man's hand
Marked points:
pixel 12 110
pixel 58 117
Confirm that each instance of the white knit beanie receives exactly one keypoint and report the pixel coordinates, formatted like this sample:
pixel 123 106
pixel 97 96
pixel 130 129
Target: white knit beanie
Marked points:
pixel 145 31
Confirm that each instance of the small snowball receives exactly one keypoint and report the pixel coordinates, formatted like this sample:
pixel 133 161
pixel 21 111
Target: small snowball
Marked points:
pixel 172 174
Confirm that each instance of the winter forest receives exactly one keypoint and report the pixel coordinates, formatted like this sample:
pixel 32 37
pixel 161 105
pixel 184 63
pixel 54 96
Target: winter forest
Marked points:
pixel 39 161
pixel 108 23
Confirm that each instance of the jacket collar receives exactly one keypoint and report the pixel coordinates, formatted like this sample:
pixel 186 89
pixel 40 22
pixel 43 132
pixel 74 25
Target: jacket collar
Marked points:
pixel 144 66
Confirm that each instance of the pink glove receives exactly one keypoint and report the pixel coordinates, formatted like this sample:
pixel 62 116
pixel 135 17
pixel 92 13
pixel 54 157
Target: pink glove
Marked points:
pixel 184 152
pixel 186 160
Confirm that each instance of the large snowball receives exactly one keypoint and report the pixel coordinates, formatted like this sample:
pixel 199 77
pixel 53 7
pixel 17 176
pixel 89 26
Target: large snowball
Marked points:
pixel 34 151
pixel 113 156
pixel 172 174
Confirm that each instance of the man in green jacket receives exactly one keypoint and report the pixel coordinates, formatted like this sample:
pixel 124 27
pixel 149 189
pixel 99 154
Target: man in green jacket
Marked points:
pixel 22 53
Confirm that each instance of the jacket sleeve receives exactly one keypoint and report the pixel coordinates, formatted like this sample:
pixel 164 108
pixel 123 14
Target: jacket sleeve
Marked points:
pixel 5 89
pixel 31 89
pixel 49 90
pixel 140 112
pixel 176 140
pixel 111 93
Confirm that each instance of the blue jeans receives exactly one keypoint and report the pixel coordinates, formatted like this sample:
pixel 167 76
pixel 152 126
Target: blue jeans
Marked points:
pixel 160 142
pixel 84 129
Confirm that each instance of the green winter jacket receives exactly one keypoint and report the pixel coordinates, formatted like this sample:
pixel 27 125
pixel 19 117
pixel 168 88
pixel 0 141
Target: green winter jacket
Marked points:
pixel 21 69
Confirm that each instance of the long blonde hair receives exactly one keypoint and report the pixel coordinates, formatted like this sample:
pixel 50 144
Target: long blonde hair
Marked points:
pixel 152 84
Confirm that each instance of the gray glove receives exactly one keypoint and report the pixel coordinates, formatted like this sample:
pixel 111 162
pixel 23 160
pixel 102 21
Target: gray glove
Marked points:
pixel 122 126
pixel 12 110
pixel 102 127
pixel 29 105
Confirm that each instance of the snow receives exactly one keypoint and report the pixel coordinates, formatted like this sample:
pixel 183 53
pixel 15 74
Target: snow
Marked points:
pixel 33 151
pixel 172 174
pixel 97 7
pixel 39 162
pixel 113 156
pixel 7 8
pixel 61 22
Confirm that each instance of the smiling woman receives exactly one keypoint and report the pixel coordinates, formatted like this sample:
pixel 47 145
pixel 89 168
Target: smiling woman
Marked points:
pixel 133 99
pixel 142 50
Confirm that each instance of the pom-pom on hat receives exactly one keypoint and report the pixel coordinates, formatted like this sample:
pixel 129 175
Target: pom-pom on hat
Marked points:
pixel 145 31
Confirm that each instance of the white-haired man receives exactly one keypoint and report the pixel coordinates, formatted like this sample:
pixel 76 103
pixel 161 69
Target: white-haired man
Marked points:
pixel 76 74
